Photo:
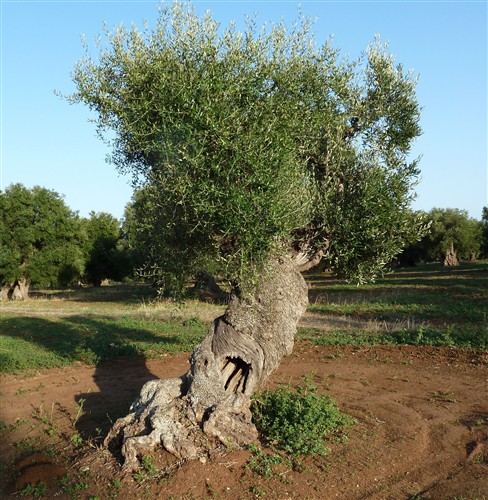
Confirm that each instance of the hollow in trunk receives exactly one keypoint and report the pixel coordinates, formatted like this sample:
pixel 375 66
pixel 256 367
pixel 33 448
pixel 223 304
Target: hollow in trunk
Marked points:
pixel 209 407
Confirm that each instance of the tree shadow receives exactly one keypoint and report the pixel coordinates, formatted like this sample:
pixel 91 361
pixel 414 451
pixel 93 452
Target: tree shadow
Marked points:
pixel 120 366
pixel 119 383
pixel 125 294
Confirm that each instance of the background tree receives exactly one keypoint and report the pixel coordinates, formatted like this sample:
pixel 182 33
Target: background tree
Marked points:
pixel 39 241
pixel 484 233
pixel 453 235
pixel 416 251
pixel 105 258
pixel 153 249
pixel 143 237
pixel 262 152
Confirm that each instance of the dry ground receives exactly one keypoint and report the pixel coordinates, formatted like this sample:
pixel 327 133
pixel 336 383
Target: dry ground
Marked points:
pixel 421 432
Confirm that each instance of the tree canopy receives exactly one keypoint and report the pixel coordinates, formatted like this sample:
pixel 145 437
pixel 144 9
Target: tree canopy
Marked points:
pixel 451 230
pixel 257 141
pixel 484 232
pixel 39 238
pixel 104 260
pixel 454 228
pixel 44 243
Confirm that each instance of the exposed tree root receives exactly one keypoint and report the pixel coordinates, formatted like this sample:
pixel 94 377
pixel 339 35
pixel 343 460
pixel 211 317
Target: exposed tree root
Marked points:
pixel 210 405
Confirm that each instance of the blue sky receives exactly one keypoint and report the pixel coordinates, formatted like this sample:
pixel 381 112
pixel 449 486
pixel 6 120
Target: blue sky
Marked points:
pixel 47 142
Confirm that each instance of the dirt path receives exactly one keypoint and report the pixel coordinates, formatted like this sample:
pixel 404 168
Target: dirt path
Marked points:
pixel 422 426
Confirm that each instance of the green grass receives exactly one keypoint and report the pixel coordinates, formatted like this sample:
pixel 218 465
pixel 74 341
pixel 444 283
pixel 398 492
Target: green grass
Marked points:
pixel 35 342
pixel 438 337
pixel 57 328
pixel 426 305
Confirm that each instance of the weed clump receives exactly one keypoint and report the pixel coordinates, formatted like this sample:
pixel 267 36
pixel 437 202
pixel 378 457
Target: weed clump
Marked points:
pixel 299 421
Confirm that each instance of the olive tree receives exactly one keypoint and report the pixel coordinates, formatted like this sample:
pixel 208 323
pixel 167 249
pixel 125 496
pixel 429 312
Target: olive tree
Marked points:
pixel 103 258
pixel 266 153
pixel 39 241
pixel 144 233
pixel 484 233
pixel 452 235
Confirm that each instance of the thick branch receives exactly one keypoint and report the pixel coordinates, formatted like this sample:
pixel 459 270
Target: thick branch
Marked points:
pixel 306 261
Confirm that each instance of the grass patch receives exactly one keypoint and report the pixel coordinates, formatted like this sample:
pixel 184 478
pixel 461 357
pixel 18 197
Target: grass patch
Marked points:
pixel 38 490
pixel 437 337
pixel 34 342
pixel 56 328
pixel 428 305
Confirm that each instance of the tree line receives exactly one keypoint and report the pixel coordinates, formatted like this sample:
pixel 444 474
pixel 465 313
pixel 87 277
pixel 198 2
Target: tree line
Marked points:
pixel 452 236
pixel 45 244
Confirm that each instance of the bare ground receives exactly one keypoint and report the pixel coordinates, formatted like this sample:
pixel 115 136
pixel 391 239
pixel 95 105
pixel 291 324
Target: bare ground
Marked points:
pixel 421 432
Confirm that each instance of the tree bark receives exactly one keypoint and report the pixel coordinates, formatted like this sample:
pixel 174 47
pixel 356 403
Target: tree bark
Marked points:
pixel 209 406
pixel 19 290
pixel 450 259
pixel 207 289
pixel 4 292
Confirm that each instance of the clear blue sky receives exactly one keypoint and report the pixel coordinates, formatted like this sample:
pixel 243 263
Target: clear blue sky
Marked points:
pixel 47 142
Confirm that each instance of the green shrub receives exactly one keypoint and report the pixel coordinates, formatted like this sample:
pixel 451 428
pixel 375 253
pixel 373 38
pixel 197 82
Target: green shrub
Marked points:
pixel 298 421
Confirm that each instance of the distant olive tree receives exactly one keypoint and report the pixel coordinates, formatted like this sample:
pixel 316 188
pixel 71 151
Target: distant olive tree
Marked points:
pixel 104 254
pixel 452 235
pixel 142 228
pixel 39 241
pixel 265 153
pixel 484 233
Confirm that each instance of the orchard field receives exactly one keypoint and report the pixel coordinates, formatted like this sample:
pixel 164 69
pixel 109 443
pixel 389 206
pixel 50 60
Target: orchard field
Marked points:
pixel 406 357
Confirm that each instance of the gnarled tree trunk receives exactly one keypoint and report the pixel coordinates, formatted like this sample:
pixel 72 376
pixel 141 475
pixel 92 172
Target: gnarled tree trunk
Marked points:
pixel 4 292
pixel 209 406
pixel 450 259
pixel 19 290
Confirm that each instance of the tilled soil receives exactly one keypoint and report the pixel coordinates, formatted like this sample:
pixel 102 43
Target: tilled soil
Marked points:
pixel 421 431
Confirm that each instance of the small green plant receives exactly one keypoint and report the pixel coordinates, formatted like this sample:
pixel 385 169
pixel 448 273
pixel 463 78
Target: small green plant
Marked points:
pixel 298 420
pixel 20 391
pixel 72 486
pixel 46 419
pixel 35 444
pixel 37 491
pixel 444 396
pixel 257 491
pixel 262 463
pixel 447 338
pixel 210 489
pixel 76 439
pixel 148 469
pixel 115 486
pixel 13 427
pixel 79 410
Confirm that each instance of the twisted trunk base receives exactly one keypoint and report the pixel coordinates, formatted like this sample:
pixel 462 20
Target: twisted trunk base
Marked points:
pixel 210 405
pixel 19 290
pixel 450 259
